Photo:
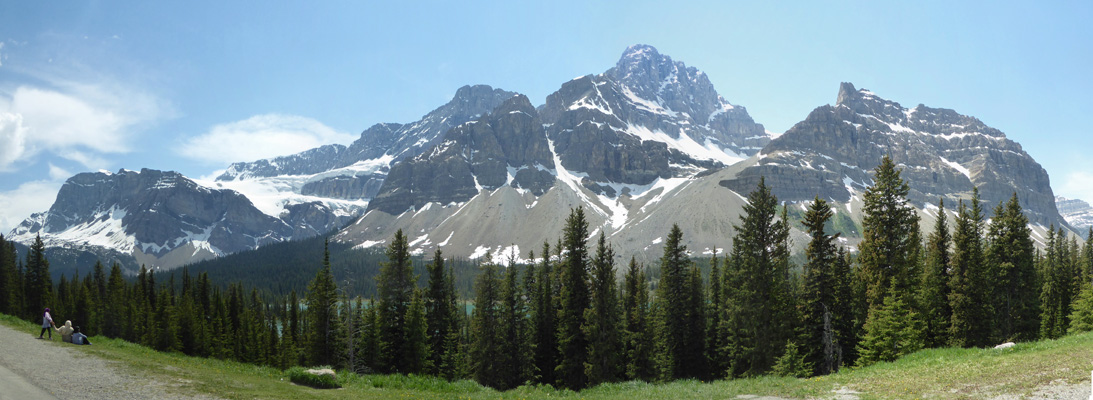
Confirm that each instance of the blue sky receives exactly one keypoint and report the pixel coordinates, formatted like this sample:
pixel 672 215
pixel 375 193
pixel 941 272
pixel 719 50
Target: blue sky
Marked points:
pixel 194 86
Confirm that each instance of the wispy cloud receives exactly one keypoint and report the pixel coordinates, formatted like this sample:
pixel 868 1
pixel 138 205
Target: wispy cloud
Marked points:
pixel 258 137
pixel 30 197
pixel 78 121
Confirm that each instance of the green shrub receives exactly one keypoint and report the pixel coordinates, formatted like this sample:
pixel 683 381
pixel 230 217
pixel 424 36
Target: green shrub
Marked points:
pixel 299 376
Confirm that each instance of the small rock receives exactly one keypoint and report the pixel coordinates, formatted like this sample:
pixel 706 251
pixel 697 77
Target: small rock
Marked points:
pixel 321 372
pixel 1005 345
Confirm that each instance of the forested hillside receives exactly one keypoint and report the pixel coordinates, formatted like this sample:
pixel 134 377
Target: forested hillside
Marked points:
pixel 567 320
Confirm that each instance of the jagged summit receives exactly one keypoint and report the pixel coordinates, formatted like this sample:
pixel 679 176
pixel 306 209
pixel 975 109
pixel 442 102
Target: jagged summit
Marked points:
pixel 942 154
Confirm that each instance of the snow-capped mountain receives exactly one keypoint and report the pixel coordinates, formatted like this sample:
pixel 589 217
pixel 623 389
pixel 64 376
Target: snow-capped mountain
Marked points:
pixel 943 154
pixel 627 144
pixel 1078 213
pixel 644 145
pixel 160 218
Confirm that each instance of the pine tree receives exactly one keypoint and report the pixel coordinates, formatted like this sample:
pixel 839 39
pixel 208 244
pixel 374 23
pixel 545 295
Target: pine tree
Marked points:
pixel 890 241
pixel 485 350
pixel 439 310
pixel 572 342
pixel 934 290
pixel 515 365
pixel 114 309
pixel 39 284
pixel 370 348
pixel 602 319
pixel 638 333
pixel 1081 315
pixel 756 308
pixel 395 285
pixel 792 363
pixel 714 340
pixel 970 322
pixel 543 315
pixel 416 353
pixel 1053 294
pixel 821 343
pixel 11 280
pixel 891 331
pixel 1011 261
pixel 322 316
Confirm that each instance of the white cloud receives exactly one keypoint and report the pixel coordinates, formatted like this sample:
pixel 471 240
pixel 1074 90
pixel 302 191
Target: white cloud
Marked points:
pixel 57 173
pixel 77 121
pixel 1077 185
pixel 258 137
pixel 30 197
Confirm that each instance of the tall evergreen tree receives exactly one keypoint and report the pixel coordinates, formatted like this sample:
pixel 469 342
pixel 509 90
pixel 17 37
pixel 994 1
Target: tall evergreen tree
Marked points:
pixel 395 285
pixel 602 319
pixel 115 304
pixel 323 322
pixel 415 354
pixel 515 366
pixel 39 284
pixel 681 345
pixel 10 279
pixel 1011 261
pixel 485 349
pixel 572 342
pixel 890 242
pixel 820 300
pixel 543 316
pixel 934 290
pixel 439 309
pixel 757 311
pixel 638 332
pixel 970 322
pixel 714 340
pixel 1054 293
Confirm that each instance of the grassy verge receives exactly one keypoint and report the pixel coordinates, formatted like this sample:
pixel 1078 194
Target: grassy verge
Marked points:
pixel 936 373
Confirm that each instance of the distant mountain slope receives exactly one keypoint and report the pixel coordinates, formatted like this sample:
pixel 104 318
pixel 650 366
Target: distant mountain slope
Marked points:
pixel 1077 213
pixel 943 154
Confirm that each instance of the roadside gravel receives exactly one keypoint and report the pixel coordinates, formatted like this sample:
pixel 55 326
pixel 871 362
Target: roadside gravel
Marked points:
pixel 65 373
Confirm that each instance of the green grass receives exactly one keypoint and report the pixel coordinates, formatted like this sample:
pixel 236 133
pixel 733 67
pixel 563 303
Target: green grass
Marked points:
pixel 935 373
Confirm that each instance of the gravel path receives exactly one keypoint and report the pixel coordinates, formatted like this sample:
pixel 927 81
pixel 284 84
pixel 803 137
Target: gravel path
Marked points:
pixel 60 371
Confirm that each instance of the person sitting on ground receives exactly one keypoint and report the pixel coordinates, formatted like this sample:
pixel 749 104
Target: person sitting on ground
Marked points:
pixel 47 323
pixel 79 338
pixel 66 332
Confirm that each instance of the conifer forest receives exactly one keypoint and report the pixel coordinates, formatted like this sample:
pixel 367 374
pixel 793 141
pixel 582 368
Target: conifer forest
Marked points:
pixel 581 315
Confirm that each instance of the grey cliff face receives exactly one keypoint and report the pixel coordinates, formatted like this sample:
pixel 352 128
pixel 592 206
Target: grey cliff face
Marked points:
pixel 155 212
pixel 396 141
pixel 602 124
pixel 505 147
pixel 942 154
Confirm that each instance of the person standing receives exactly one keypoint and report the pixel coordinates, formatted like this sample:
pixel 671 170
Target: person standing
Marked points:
pixel 47 325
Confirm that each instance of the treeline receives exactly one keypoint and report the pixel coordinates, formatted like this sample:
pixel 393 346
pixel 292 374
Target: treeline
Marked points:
pixel 279 268
pixel 566 320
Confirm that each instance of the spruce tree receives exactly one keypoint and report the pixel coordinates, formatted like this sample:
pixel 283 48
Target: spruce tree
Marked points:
pixel 38 283
pixel 1011 262
pixel 820 300
pixel 970 322
pixel 714 340
pixel 889 247
pixel 543 316
pixel 934 289
pixel 572 342
pixel 602 319
pixel 757 314
pixel 322 316
pixel 891 331
pixel 1081 315
pixel 1053 293
pixel 439 310
pixel 115 304
pixel 515 366
pixel 416 353
pixel 395 285
pixel 11 280
pixel 485 350
pixel 638 333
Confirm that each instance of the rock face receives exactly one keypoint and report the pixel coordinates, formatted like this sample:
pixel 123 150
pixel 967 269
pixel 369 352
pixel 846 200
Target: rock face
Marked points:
pixel 648 117
pixel 1077 213
pixel 152 213
pixel 943 154
pixel 505 147
pixel 374 152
